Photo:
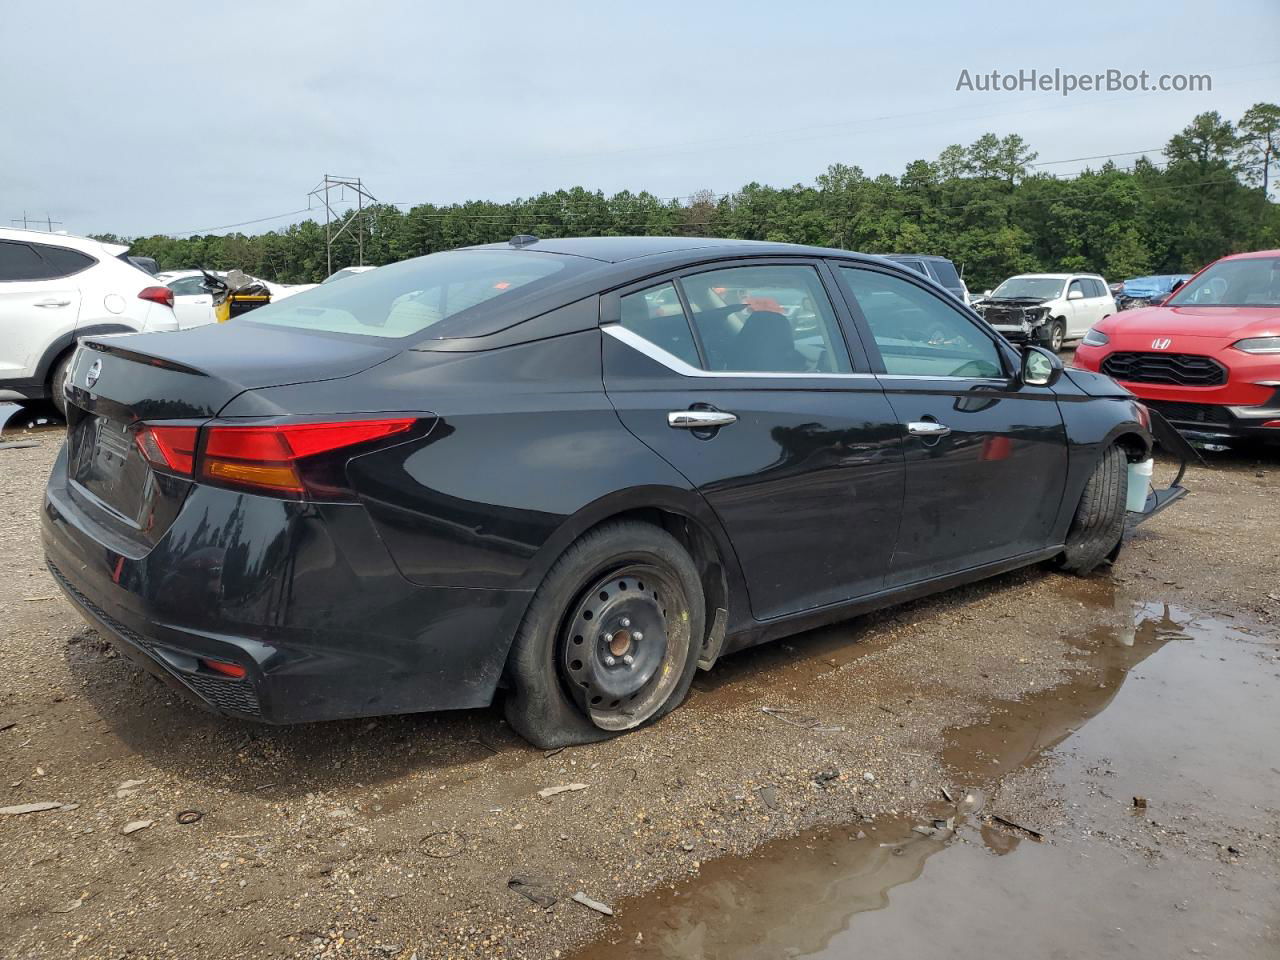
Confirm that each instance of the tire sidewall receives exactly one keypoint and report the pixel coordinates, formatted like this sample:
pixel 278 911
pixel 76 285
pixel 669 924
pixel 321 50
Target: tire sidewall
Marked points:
pixel 538 706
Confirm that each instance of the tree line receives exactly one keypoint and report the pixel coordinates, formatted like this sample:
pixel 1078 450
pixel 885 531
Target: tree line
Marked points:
pixel 986 206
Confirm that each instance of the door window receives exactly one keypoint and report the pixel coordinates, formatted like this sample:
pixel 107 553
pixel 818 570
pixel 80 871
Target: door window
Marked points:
pixel 62 262
pixel 19 262
pixel 656 315
pixel 919 334
pixel 1075 287
pixel 766 319
pixel 188 287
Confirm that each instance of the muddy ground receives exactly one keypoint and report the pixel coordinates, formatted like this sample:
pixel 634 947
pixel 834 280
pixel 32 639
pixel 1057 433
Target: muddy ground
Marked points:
pixel 1051 701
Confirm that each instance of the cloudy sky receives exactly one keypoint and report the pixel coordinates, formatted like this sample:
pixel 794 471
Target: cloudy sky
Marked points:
pixel 141 118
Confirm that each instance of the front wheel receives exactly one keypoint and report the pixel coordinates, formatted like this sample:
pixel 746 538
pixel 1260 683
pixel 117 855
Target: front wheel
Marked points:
pixel 610 639
pixel 1057 335
pixel 1098 525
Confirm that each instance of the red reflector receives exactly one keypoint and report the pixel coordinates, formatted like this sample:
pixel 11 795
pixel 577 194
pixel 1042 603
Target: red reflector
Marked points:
pixel 1272 423
pixel 157 295
pixel 226 669
pixel 169 448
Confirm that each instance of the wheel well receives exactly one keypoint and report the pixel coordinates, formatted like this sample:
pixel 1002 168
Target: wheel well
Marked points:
pixel 53 365
pixel 1135 448
pixel 702 548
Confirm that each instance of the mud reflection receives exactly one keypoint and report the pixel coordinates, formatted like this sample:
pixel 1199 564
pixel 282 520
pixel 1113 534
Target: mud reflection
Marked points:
pixel 808 896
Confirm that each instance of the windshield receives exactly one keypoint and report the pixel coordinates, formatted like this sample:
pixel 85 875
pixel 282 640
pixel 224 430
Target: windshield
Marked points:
pixel 344 273
pixel 1039 288
pixel 1252 282
pixel 408 297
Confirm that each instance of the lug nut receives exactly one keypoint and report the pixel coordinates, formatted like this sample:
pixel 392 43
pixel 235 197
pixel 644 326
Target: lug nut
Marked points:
pixel 609 661
pixel 625 621
pixel 637 636
pixel 628 659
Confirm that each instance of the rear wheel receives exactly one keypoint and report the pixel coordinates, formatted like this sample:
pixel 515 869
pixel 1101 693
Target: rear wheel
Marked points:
pixel 610 637
pixel 1098 524
pixel 58 383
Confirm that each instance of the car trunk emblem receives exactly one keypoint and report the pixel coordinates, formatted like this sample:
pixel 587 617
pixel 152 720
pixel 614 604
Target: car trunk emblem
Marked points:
pixel 95 371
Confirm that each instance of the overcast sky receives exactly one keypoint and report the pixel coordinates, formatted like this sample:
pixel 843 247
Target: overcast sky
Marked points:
pixel 139 118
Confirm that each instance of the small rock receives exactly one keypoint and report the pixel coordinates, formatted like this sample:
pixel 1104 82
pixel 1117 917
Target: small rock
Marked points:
pixel 133 826
pixel 128 789
pixel 564 788
pixel 1140 803
pixel 868 776
pixel 590 904
pixel 37 807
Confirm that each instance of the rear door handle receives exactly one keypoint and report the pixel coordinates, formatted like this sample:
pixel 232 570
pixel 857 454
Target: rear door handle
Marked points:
pixel 928 428
pixel 700 419
pixel 53 303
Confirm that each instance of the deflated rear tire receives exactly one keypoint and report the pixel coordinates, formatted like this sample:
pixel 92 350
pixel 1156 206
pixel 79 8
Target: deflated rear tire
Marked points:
pixel 609 642
pixel 1098 525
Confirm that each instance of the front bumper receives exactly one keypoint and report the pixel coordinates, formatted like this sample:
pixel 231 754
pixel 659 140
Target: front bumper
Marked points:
pixel 304 596
pixel 1213 422
pixel 1174 444
pixel 1025 332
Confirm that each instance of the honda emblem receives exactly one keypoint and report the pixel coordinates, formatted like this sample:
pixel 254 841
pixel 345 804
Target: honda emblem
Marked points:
pixel 1161 343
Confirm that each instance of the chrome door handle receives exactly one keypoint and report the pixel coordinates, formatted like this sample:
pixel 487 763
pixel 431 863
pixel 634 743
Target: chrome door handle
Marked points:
pixel 927 428
pixel 53 303
pixel 700 419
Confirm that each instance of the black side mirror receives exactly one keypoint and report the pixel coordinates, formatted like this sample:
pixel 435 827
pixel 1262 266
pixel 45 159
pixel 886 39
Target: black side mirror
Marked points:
pixel 1040 367
pixel 1176 285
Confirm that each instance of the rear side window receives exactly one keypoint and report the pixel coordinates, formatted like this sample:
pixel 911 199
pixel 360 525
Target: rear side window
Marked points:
pixel 407 298
pixel 39 261
pixel 766 319
pixel 656 315
pixel 1099 288
pixel 916 265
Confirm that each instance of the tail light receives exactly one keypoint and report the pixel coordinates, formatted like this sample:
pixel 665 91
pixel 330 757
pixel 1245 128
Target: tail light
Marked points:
pixel 157 295
pixel 292 460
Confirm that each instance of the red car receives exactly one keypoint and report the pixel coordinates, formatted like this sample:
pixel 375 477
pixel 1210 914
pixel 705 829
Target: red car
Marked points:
pixel 1208 357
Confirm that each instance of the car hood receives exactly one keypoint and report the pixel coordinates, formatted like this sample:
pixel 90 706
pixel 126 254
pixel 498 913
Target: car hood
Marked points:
pixel 1227 323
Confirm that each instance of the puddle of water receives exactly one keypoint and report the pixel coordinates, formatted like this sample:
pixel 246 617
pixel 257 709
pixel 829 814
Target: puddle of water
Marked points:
pixel 1180 710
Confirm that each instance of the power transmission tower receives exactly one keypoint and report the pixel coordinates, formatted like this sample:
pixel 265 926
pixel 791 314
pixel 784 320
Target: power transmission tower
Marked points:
pixel 332 218
pixel 24 220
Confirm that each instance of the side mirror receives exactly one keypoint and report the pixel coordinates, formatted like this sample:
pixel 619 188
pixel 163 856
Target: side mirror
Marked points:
pixel 1177 284
pixel 1075 295
pixel 986 293
pixel 1040 367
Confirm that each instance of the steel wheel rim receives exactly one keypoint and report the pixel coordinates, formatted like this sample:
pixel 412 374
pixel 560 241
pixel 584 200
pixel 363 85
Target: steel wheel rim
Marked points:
pixel 625 645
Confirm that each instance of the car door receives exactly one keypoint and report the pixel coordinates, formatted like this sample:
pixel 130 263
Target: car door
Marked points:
pixel 1102 303
pixel 1078 308
pixel 985 456
pixel 39 302
pixel 192 303
pixel 761 407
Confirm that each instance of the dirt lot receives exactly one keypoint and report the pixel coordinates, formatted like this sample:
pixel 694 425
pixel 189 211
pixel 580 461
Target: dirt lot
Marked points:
pixel 386 838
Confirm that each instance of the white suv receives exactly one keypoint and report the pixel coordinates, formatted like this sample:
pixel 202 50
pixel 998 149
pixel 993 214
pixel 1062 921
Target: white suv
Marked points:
pixel 56 288
pixel 1047 308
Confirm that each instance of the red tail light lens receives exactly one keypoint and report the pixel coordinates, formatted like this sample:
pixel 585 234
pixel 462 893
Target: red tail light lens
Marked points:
pixel 288 458
pixel 157 295
pixel 172 449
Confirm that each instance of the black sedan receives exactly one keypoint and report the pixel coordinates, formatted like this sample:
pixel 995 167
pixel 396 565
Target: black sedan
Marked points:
pixel 576 471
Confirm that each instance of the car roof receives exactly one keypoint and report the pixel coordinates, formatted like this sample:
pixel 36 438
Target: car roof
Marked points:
pixel 87 244
pixel 1252 254
pixel 620 249
pixel 915 256
pixel 1053 276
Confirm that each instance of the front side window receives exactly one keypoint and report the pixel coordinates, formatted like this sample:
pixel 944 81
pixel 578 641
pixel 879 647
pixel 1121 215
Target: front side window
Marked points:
pixel 920 335
pixel 188 286
pixel 1251 282
pixel 656 315
pixel 766 319
pixel 406 298
pixel 1075 288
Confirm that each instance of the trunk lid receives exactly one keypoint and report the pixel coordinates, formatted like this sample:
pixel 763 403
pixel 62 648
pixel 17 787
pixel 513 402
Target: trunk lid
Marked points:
pixel 184 378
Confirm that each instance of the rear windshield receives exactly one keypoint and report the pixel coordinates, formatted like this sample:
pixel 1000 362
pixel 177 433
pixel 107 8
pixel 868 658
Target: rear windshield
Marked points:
pixel 946 272
pixel 405 299
pixel 1252 282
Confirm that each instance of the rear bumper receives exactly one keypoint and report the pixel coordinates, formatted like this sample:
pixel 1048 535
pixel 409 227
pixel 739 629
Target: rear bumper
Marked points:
pixel 304 597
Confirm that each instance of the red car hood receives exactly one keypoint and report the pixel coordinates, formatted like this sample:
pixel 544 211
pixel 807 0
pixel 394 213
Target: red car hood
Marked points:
pixel 1227 323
